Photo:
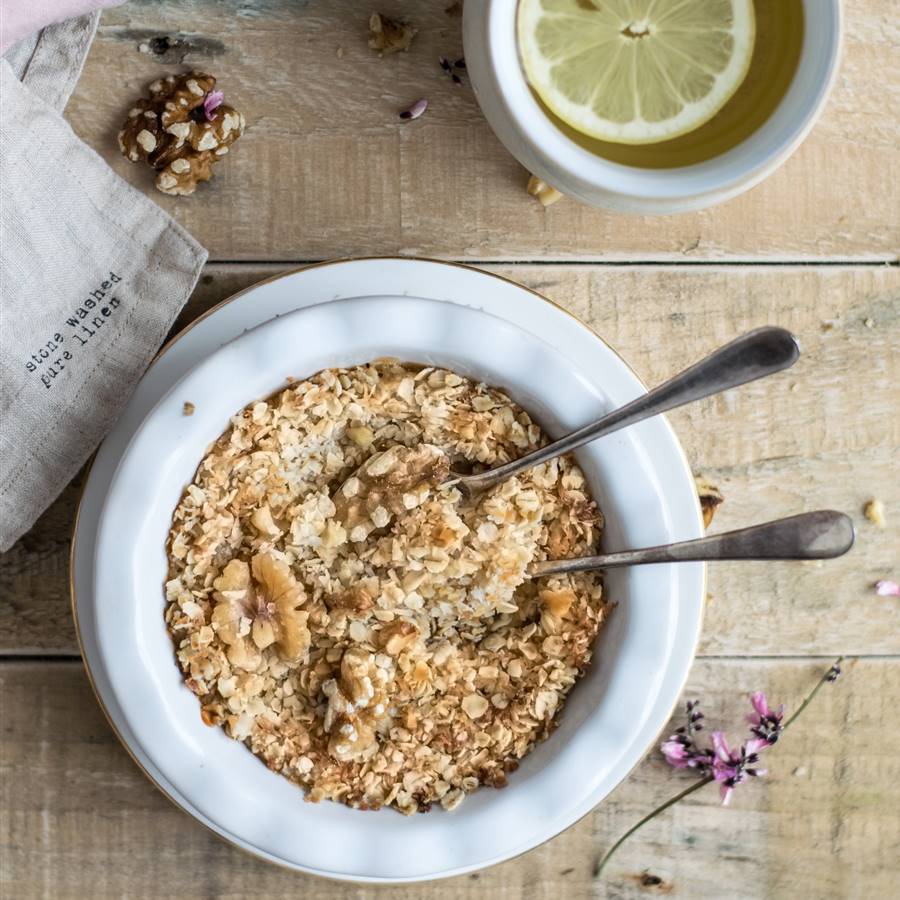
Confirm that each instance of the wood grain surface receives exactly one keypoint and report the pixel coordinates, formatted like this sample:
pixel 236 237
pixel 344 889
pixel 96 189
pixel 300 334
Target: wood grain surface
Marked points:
pixel 326 169
pixel 78 819
pixel 800 441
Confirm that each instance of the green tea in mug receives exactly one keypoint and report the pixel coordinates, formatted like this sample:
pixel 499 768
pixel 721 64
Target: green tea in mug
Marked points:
pixel 659 83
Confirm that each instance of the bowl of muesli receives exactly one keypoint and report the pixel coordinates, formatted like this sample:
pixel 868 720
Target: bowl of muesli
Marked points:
pixel 333 656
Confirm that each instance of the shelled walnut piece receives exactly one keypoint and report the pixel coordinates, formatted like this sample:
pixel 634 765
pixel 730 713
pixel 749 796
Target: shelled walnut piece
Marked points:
pixel 181 130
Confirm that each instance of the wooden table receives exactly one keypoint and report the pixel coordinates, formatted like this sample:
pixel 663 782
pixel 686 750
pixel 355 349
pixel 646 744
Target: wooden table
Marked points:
pixel 327 169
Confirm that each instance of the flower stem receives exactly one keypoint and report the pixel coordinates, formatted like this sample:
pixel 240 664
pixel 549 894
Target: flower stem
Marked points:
pixel 598 869
pixel 809 697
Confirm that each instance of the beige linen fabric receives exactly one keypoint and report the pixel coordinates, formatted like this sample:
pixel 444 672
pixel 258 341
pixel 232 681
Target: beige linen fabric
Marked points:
pixel 92 275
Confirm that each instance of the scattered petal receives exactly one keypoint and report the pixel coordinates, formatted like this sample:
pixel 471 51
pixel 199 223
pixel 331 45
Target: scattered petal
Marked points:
pixel 415 110
pixel 886 588
pixel 211 102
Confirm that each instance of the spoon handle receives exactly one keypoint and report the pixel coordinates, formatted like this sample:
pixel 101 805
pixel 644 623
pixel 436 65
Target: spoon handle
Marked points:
pixel 756 354
pixel 814 535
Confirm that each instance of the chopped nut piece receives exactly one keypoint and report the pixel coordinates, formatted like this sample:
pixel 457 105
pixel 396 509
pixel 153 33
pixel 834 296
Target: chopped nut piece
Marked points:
pixel 263 522
pixel 361 436
pixel 711 499
pixel 188 408
pixel 874 512
pixel 389 35
pixel 398 636
pixel 558 602
pixel 542 191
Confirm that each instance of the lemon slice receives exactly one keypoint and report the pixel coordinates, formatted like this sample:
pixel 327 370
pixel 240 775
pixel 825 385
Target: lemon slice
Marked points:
pixel 636 71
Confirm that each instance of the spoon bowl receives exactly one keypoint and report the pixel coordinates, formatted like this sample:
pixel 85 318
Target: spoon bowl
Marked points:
pixel 824 534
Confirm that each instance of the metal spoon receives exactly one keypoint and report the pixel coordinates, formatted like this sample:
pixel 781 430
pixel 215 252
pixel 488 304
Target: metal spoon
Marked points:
pixel 756 354
pixel 824 534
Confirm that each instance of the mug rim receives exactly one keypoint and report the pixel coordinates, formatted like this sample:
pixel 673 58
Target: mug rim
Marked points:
pixel 578 171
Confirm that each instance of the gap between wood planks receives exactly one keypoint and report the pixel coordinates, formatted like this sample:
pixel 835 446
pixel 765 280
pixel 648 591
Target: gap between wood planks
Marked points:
pixel 869 657
pixel 846 263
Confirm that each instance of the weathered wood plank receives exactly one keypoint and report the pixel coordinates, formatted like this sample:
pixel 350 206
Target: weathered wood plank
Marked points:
pixel 78 819
pixel 801 441
pixel 327 169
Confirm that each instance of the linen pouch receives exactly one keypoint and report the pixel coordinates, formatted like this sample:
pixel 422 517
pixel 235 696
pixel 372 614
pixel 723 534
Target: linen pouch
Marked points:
pixel 92 275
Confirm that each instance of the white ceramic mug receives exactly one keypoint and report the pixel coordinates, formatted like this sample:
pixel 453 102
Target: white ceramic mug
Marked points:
pixel 492 60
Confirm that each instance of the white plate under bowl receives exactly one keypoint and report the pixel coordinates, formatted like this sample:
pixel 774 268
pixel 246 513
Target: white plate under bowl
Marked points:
pixel 340 314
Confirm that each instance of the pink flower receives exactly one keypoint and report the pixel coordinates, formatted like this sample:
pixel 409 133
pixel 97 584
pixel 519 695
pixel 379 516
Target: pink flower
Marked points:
pixel 211 102
pixel 676 754
pixel 732 767
pixel 720 763
pixel 728 767
pixel 681 750
pixel 766 722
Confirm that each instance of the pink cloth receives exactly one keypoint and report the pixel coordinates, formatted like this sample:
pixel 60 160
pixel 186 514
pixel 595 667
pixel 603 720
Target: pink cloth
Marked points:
pixel 20 18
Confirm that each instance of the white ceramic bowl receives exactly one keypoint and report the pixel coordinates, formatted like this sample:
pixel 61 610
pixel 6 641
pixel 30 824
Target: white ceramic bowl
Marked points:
pixel 489 35
pixel 426 312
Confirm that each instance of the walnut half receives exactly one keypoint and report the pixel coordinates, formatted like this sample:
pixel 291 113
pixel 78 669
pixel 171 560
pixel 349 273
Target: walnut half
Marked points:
pixel 181 129
pixel 252 613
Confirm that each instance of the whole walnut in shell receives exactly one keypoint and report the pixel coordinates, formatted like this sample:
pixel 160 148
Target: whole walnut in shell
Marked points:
pixel 181 130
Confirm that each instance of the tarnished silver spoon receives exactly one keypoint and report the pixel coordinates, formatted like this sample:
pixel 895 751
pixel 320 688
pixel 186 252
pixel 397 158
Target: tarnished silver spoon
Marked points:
pixel 756 354
pixel 824 534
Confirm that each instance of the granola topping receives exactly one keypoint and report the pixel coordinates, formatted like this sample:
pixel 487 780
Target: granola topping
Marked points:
pixel 340 608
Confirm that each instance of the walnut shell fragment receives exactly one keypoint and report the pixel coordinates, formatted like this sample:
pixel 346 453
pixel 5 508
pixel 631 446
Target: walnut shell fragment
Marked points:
pixel 388 35
pixel 711 498
pixel 180 130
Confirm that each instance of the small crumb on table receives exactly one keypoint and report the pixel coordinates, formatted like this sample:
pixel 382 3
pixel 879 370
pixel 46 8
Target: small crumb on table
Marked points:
pixel 540 190
pixel 188 408
pixel 874 512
